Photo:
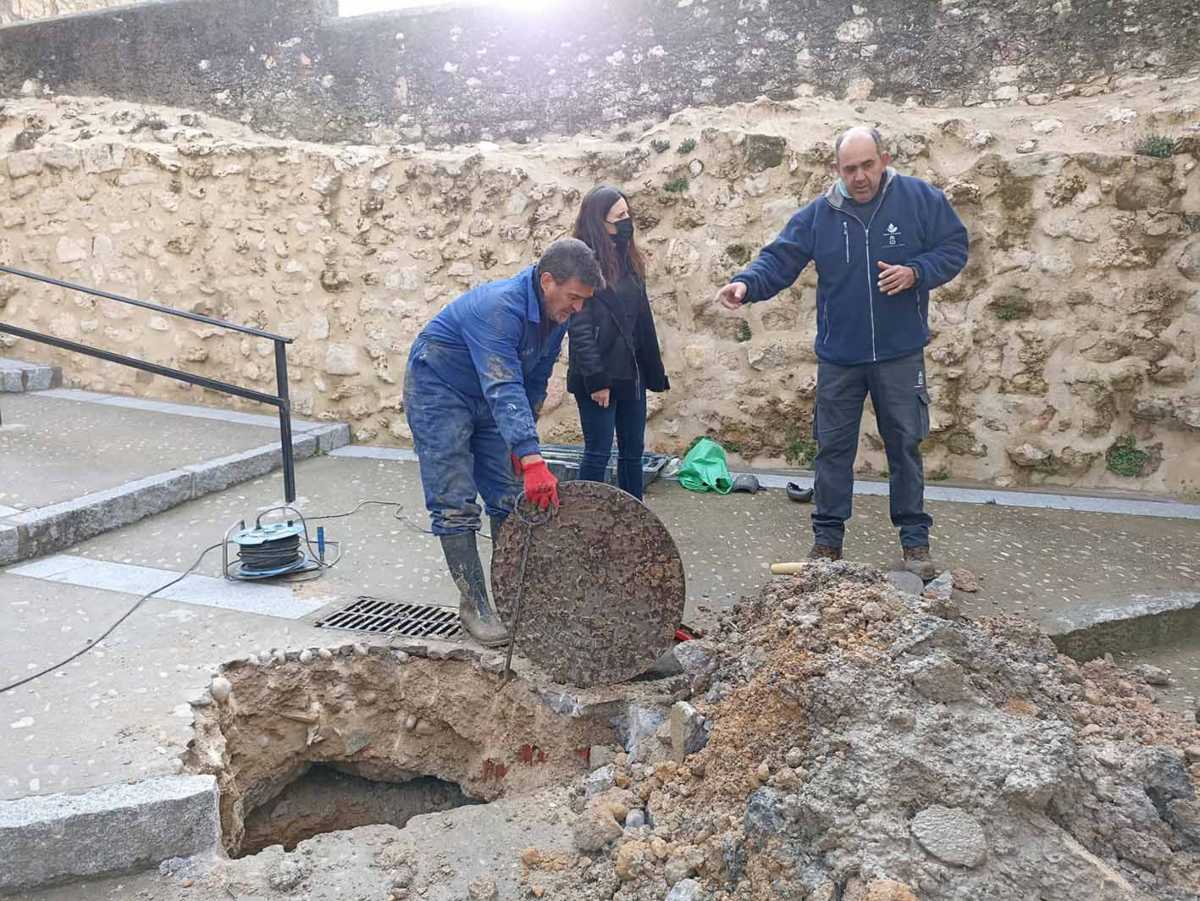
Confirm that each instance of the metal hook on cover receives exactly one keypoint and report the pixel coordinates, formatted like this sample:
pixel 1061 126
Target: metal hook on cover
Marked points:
pixel 535 518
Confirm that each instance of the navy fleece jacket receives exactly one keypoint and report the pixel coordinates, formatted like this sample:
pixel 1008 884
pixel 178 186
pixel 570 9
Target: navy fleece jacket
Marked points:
pixel 913 225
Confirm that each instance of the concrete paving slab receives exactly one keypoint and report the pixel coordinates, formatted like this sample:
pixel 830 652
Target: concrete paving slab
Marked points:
pixel 268 421
pixel 110 829
pixel 1133 505
pixel 1180 656
pixel 10 544
pixel 77 394
pixel 259 598
pixel 1037 562
pixel 213 475
pixel 443 852
pixel 19 376
pixel 1120 504
pixel 70 448
pixel 120 711
pixel 185 432
pixel 382 556
pixel 47 529
pixel 367 452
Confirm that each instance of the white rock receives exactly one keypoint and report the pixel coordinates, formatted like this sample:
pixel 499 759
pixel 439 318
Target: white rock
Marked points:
pixel 341 359
pixel 220 689
pixel 70 251
pixel 950 835
pixel 855 31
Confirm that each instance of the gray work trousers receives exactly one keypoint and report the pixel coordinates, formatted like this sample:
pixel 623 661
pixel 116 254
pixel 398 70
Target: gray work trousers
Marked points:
pixel 901 400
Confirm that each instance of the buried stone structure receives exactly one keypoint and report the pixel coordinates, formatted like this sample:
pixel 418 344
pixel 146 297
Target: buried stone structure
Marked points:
pixel 382 715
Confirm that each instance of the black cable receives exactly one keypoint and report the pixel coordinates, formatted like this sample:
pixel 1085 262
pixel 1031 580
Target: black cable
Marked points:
pixel 399 514
pixel 187 572
pixel 265 557
pixel 276 554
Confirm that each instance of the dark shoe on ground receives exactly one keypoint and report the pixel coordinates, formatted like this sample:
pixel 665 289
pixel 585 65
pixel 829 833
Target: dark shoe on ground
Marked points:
pixel 798 494
pixel 918 562
pixel 745 482
pixel 474 608
pixel 824 552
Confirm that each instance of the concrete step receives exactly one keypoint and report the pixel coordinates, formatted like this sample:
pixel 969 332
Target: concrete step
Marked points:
pixel 79 463
pixel 18 376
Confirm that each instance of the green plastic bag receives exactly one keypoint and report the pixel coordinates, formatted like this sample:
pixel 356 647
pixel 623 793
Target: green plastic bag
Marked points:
pixel 704 468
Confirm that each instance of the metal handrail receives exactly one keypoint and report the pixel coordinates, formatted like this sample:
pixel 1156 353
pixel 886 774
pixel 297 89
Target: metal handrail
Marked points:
pixel 280 400
pixel 147 305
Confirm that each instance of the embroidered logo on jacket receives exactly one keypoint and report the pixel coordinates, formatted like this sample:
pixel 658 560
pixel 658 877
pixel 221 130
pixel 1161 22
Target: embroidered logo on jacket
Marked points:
pixel 892 233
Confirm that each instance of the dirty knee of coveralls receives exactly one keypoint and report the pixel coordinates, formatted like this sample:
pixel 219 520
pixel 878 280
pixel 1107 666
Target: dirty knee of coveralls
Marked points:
pixel 456 521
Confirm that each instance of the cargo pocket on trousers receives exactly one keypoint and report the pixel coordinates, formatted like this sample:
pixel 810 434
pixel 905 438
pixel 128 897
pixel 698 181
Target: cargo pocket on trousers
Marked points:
pixel 923 411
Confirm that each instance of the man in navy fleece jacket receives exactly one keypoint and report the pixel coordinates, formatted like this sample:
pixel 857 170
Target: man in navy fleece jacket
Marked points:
pixel 881 241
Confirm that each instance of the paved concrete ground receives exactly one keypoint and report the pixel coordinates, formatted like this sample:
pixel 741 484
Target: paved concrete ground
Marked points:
pixel 120 711
pixel 1182 658
pixel 383 556
pixel 53 449
pixel 1036 562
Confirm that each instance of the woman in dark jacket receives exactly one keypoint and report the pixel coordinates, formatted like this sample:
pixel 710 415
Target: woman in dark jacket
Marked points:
pixel 614 347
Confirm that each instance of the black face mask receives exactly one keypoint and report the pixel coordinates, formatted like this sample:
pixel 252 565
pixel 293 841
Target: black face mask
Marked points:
pixel 624 231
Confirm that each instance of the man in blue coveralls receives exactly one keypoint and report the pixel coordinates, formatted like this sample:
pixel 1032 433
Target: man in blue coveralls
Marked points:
pixel 474 386
pixel 881 242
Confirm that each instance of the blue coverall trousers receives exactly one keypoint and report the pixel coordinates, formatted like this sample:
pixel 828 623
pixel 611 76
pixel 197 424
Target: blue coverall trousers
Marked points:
pixel 461 451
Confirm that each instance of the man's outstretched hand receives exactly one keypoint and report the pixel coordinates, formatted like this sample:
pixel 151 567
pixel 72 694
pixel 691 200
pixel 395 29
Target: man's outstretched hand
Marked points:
pixel 540 485
pixel 894 279
pixel 732 295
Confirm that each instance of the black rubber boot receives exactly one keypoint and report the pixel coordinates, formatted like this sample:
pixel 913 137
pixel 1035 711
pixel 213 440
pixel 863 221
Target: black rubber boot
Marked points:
pixel 474 608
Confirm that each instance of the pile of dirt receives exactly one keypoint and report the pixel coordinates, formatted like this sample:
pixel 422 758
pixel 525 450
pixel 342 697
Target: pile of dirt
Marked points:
pixel 857 742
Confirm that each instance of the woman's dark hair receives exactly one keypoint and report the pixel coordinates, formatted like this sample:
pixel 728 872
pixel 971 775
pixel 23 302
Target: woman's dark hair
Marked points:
pixel 589 228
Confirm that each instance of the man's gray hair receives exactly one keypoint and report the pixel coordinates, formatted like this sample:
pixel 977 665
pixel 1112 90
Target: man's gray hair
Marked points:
pixel 873 132
pixel 569 258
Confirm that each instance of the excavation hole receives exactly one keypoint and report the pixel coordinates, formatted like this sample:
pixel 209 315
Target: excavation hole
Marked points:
pixel 321 740
pixel 325 799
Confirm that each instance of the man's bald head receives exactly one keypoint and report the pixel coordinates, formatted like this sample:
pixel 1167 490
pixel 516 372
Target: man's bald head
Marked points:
pixel 861 162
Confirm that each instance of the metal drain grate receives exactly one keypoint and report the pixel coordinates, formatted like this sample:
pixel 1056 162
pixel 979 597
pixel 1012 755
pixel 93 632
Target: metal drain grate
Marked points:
pixel 410 620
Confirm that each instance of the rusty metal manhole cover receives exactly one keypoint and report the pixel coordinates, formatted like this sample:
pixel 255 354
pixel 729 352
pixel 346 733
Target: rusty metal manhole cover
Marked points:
pixel 604 589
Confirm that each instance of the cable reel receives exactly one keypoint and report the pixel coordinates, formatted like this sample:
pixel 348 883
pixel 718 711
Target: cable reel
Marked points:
pixel 273 549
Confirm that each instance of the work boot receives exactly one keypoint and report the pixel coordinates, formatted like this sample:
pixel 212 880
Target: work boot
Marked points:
pixel 918 562
pixel 825 552
pixel 474 609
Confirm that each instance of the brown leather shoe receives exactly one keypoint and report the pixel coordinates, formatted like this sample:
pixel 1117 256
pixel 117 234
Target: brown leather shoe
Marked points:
pixel 918 562
pixel 825 552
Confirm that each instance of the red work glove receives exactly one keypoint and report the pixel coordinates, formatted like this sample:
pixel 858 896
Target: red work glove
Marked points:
pixel 516 464
pixel 540 485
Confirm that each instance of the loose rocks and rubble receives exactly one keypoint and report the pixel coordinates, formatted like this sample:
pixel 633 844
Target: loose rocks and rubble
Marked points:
pixel 840 740
pixel 901 757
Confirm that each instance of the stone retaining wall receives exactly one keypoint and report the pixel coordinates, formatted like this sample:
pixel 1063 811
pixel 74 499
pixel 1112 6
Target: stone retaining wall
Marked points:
pixel 1065 353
